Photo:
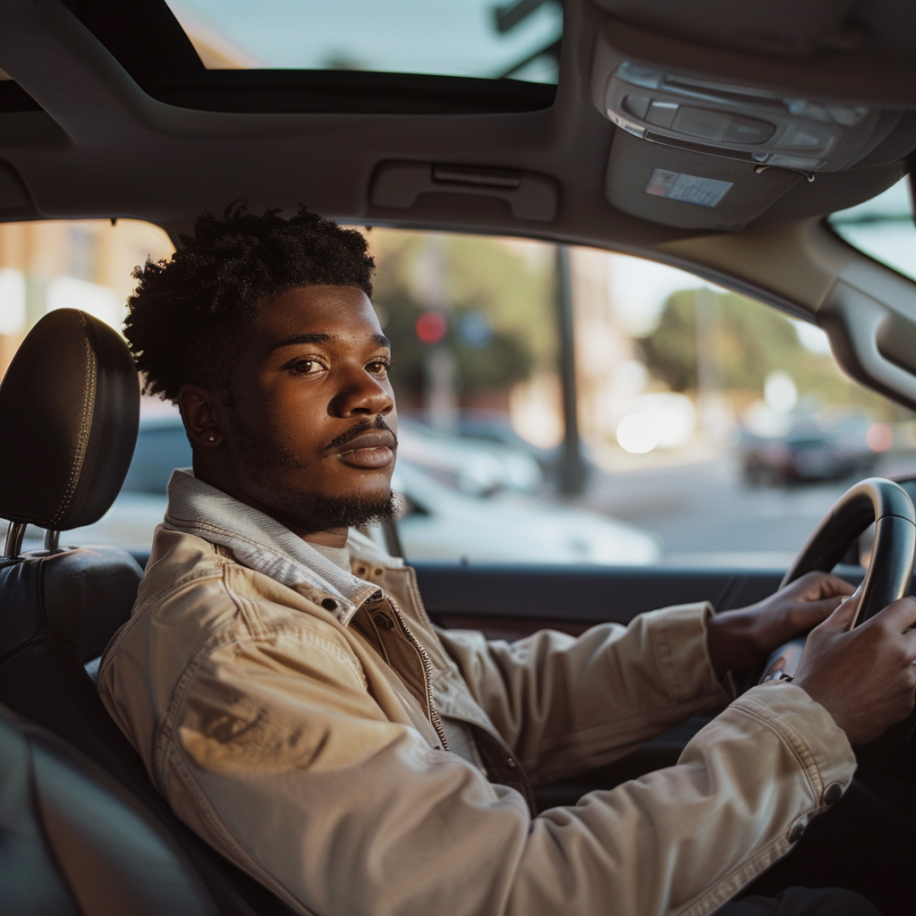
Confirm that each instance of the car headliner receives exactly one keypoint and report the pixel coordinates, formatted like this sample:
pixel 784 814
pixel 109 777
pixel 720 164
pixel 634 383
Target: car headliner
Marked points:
pixel 89 141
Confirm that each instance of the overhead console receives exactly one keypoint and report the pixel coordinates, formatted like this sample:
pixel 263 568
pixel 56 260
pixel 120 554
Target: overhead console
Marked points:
pixel 738 122
pixel 748 131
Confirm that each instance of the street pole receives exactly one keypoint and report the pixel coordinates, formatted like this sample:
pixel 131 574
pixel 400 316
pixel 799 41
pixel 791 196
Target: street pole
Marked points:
pixel 572 466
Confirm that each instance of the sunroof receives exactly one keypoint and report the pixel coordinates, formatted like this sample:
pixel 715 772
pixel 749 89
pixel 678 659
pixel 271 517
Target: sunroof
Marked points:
pixel 518 39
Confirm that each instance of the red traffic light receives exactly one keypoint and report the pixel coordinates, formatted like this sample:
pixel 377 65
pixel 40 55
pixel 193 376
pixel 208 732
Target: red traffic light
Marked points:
pixel 431 327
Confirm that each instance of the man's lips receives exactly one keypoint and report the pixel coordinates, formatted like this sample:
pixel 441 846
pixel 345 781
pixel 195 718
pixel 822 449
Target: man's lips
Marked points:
pixel 371 449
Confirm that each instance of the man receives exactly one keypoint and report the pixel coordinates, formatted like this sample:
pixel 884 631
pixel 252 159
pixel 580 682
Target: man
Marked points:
pixel 298 709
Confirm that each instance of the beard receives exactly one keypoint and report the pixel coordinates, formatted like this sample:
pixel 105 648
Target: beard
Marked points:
pixel 353 511
pixel 312 512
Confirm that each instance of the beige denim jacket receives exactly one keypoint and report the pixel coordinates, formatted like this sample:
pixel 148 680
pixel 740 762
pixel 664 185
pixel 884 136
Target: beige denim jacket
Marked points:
pixel 317 729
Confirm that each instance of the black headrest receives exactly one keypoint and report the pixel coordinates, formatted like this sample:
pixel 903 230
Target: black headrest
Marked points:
pixel 69 411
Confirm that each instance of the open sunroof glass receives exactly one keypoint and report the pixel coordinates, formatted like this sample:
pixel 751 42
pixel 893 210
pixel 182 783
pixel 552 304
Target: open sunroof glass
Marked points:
pixel 519 39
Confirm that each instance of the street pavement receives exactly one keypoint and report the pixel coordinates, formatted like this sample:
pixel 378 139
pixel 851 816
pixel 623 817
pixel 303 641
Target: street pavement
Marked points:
pixel 705 514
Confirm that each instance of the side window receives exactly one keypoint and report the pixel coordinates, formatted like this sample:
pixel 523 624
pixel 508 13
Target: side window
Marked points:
pixel 732 431
pixel 162 446
pixel 714 430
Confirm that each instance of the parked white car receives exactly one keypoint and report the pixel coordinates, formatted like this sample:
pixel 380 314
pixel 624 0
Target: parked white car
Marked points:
pixel 443 523
pixel 474 466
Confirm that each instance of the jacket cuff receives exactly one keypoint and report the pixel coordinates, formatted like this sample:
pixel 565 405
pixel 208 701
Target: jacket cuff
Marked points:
pixel 679 636
pixel 819 744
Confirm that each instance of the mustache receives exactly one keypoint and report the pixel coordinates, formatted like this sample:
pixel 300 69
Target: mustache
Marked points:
pixel 363 426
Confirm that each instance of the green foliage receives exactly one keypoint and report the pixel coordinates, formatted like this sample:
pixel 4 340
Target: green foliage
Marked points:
pixel 472 275
pixel 741 339
pixel 741 342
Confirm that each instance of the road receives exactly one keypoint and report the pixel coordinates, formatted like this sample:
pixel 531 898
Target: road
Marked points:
pixel 704 513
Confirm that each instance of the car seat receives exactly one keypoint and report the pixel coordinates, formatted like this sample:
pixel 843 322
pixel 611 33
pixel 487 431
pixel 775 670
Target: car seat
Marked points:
pixel 75 843
pixel 69 408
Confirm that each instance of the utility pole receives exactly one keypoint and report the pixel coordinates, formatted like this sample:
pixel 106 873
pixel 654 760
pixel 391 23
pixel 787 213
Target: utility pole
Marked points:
pixel 572 466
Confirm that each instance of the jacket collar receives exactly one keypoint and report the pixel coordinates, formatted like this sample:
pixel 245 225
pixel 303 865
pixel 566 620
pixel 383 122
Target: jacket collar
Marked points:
pixel 263 544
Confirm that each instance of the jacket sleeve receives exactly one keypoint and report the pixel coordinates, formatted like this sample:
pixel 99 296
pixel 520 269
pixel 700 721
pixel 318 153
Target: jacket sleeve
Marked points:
pixel 564 704
pixel 287 766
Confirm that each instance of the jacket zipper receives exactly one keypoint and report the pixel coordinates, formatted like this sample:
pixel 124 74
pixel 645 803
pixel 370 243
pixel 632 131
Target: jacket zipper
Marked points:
pixel 427 673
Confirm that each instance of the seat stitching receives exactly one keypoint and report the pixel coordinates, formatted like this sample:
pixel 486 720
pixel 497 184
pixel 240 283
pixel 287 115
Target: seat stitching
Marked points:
pixel 86 415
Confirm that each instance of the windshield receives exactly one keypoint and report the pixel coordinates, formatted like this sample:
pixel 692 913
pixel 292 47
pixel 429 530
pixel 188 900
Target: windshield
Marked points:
pixel 883 228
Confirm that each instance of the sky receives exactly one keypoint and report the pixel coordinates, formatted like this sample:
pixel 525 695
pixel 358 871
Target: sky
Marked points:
pixel 456 37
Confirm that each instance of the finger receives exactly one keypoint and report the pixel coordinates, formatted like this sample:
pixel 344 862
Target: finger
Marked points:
pixel 909 640
pixel 899 614
pixel 807 614
pixel 837 586
pixel 844 615
pixel 817 585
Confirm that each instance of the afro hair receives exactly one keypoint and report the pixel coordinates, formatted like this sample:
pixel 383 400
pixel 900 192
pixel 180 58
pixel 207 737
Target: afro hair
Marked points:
pixel 187 315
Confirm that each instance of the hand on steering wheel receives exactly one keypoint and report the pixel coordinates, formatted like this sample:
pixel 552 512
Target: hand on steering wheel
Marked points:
pixel 743 638
pixel 865 677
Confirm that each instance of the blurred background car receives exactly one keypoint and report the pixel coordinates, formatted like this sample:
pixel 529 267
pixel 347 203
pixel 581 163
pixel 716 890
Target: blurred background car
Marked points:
pixel 812 448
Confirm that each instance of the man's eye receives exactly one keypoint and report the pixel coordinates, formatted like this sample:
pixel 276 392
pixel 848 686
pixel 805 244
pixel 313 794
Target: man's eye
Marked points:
pixel 379 367
pixel 305 366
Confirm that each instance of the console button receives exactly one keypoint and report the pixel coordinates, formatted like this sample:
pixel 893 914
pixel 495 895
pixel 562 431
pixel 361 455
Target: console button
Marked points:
pixel 637 75
pixel 706 124
pixel 805 109
pixel 794 162
pixel 636 105
pixel 748 130
pixel 661 114
pixel 847 115
pixel 807 137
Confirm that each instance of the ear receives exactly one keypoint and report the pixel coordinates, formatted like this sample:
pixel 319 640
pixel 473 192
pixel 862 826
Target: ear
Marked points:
pixel 200 413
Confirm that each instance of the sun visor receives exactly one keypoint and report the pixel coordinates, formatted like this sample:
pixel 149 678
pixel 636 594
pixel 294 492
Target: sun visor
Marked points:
pixel 688 190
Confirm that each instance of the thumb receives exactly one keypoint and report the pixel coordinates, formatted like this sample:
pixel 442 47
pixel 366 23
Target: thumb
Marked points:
pixel 841 619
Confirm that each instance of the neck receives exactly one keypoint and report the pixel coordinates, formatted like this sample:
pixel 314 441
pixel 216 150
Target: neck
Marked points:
pixel 331 537
pixel 336 537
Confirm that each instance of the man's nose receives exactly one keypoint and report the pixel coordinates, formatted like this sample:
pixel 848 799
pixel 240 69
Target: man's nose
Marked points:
pixel 364 394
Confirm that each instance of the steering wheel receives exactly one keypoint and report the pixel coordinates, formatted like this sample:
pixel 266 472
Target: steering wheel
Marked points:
pixel 890 569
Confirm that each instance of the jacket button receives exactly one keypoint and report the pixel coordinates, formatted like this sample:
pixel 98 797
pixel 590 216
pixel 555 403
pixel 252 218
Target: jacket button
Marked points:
pixel 383 622
pixel 798 829
pixel 833 793
pixel 329 604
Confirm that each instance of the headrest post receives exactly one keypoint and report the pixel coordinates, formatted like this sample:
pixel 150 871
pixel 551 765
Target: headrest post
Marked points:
pixel 52 540
pixel 14 535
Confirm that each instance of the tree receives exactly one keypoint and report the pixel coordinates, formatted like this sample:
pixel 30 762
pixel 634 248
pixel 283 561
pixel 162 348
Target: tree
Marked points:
pixel 479 277
pixel 746 341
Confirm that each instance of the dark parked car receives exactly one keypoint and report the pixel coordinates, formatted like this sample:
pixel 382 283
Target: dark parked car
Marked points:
pixel 810 450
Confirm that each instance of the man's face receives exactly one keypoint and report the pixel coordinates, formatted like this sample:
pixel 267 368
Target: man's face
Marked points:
pixel 311 414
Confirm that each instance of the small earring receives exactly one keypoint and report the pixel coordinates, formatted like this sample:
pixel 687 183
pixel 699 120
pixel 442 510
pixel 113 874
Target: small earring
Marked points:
pixel 212 438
